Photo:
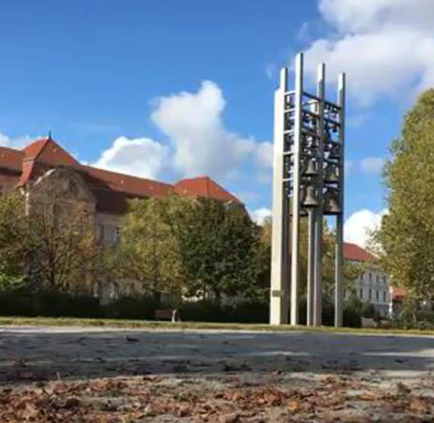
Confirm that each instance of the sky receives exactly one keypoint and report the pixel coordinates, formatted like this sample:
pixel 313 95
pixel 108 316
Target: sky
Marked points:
pixel 171 89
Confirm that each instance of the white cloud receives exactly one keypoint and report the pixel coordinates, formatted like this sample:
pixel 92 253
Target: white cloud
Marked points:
pixel 349 166
pixel 385 46
pixel 140 156
pixel 18 142
pixel 359 225
pixel 200 140
pixel 264 154
pixel 260 215
pixel 372 165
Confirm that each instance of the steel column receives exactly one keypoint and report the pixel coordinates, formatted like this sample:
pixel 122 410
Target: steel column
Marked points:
pixel 279 295
pixel 339 267
pixel 295 227
pixel 311 265
pixel 317 318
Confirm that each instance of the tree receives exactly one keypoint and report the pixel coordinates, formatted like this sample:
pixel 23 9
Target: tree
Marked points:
pixel 405 238
pixel 196 247
pixel 220 249
pixel 148 251
pixel 62 251
pixel 13 248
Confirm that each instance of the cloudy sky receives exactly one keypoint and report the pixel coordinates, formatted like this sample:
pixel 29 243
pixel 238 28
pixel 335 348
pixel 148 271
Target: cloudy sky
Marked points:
pixel 171 89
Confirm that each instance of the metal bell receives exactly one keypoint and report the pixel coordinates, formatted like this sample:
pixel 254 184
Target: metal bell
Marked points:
pixel 334 151
pixel 331 202
pixel 310 196
pixel 331 174
pixel 311 167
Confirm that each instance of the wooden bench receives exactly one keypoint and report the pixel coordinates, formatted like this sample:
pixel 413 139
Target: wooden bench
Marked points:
pixel 168 314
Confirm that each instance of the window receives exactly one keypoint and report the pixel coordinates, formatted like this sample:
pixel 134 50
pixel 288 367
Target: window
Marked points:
pixel 370 294
pixel 117 234
pixel 370 277
pixel 378 279
pixel 384 296
pixel 377 295
pixel 384 279
pixel 361 293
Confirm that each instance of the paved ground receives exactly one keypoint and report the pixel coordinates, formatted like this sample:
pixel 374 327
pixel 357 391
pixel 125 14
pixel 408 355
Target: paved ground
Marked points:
pixel 370 375
pixel 86 352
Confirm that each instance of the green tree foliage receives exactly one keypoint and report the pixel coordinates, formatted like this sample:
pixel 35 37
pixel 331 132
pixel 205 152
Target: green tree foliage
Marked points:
pixel 406 236
pixel 149 251
pixel 62 250
pixel 13 248
pixel 200 247
pixel 220 249
pixel 47 248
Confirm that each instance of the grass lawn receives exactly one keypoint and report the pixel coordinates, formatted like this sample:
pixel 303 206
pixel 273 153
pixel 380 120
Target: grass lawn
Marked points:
pixel 156 325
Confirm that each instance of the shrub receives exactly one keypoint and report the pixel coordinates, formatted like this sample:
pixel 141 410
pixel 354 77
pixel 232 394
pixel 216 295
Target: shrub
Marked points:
pixel 59 304
pixel 212 311
pixel 368 311
pixel 142 307
pixel 16 303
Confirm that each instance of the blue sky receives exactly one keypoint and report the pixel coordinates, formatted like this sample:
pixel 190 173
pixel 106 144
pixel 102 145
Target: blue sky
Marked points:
pixel 170 89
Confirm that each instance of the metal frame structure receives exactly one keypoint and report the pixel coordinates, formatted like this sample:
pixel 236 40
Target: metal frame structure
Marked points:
pixel 309 138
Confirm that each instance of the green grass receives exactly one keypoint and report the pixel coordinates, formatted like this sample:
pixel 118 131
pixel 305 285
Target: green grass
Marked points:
pixel 154 325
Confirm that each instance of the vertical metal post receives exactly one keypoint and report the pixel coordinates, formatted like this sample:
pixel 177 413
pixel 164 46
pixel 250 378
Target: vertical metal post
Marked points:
pixel 279 295
pixel 311 266
pixel 339 276
pixel 317 317
pixel 295 232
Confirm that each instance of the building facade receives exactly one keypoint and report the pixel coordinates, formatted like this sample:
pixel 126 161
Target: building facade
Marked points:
pixel 43 171
pixel 373 285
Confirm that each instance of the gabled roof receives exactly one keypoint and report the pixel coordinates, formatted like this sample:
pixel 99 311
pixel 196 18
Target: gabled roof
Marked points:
pixel 203 186
pixel 111 189
pixel 46 150
pixel 356 253
pixel 11 159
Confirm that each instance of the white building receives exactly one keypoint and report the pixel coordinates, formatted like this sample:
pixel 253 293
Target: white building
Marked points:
pixel 372 285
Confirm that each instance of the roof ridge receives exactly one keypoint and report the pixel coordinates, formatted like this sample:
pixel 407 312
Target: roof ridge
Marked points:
pixel 40 149
pixel 125 175
pixel 208 184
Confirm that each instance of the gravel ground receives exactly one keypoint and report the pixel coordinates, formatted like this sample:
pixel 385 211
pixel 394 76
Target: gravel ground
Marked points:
pixel 114 375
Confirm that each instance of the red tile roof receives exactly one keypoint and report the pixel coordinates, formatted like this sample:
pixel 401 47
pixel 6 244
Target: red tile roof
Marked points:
pixel 356 253
pixel 11 159
pixel 204 186
pixel 398 293
pixel 48 151
pixel 112 190
pixel 132 185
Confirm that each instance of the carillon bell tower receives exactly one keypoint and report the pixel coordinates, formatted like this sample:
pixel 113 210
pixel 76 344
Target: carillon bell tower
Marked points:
pixel 308 182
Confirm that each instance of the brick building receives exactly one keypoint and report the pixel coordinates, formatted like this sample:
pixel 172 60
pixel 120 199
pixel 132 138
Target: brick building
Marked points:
pixel 43 168
pixel 50 177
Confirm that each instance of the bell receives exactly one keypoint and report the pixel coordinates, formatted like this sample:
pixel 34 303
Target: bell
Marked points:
pixel 331 174
pixel 309 196
pixel 311 168
pixel 331 202
pixel 334 152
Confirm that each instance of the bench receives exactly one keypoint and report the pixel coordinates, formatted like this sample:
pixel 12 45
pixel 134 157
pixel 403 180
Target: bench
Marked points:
pixel 171 314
